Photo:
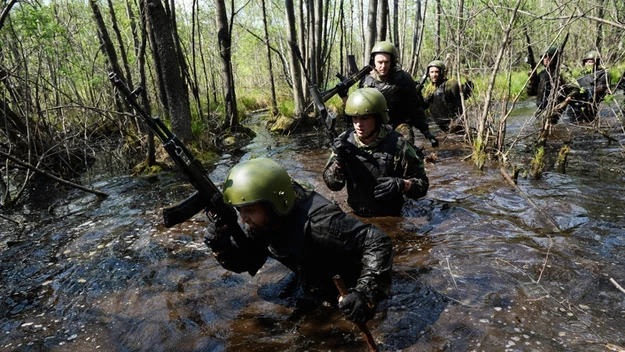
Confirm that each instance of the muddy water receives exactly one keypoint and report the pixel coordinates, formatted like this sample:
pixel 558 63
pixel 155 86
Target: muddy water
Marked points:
pixel 479 265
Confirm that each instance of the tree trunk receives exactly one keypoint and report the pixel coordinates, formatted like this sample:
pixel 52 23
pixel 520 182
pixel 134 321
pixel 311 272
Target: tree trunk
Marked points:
pixel 176 92
pixel 296 73
pixel 108 48
pixel 599 39
pixel 5 12
pixel 272 85
pixel 122 48
pixel 437 26
pixel 141 45
pixel 371 28
pixel 396 40
pixel 416 38
pixel 383 20
pixel 225 42
pixel 301 40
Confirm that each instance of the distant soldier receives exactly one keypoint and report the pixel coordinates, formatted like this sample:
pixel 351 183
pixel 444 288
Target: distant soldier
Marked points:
pixel 378 166
pixel 594 83
pixel 568 88
pixel 444 98
pixel 405 105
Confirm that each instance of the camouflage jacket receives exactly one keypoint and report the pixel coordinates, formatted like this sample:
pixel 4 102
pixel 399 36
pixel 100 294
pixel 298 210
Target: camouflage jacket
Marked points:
pixel 388 156
pixel 405 104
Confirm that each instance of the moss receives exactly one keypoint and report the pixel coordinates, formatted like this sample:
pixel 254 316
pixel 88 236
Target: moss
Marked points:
pixel 537 164
pixel 145 169
pixel 282 124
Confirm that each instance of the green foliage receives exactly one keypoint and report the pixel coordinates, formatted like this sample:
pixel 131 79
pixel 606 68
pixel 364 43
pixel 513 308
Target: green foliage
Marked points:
pixel 286 107
pixel 502 89
pixel 251 99
pixel 479 153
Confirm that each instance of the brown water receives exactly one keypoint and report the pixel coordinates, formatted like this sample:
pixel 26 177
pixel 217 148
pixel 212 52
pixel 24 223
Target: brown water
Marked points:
pixel 479 265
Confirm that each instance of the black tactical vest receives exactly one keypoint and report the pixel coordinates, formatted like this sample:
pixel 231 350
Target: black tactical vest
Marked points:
pixel 365 171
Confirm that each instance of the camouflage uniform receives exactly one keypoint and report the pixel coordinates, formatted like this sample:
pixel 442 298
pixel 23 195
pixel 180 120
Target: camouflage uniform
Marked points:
pixel 594 83
pixel 567 87
pixel 405 105
pixel 445 104
pixel 388 155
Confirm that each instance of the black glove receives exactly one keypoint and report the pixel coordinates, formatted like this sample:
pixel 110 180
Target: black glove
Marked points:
pixel 432 139
pixel 388 187
pixel 217 236
pixel 356 307
pixel 340 148
pixel 341 90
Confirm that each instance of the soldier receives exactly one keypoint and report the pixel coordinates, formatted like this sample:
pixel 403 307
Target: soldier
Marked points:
pixel 308 234
pixel 594 83
pixel 405 105
pixel 443 98
pixel 567 86
pixel 376 162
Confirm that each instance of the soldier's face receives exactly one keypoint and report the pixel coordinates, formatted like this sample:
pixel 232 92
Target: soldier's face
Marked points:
pixel 435 74
pixel 382 63
pixel 546 60
pixel 254 216
pixel 589 62
pixel 365 127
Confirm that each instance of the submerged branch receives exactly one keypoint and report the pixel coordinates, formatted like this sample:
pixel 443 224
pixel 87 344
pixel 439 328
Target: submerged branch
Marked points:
pixel 47 174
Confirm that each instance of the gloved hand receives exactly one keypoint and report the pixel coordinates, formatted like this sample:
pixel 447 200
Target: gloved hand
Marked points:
pixel 432 139
pixel 341 90
pixel 217 236
pixel 356 307
pixel 388 187
pixel 340 148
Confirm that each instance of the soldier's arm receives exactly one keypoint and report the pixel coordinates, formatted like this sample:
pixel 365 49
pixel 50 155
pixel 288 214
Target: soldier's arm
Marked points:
pixel 412 169
pixel 334 175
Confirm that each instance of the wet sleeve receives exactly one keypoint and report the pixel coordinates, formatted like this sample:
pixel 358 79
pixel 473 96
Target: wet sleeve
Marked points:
pixel 603 81
pixel 355 240
pixel 333 175
pixel 239 260
pixel 411 167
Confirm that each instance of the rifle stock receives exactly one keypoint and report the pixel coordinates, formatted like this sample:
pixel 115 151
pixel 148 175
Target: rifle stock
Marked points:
pixel 328 117
pixel 421 82
pixel 348 82
pixel 207 196
pixel 351 61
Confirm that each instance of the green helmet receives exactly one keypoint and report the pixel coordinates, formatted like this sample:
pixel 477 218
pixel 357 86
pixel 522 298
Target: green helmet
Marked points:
pixel 592 55
pixel 385 48
pixel 550 51
pixel 258 180
pixel 367 101
pixel 438 64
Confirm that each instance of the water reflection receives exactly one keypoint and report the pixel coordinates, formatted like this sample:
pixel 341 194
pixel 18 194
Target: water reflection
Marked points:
pixel 477 266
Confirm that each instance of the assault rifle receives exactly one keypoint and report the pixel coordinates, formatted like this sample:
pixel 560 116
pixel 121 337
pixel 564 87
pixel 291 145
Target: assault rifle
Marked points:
pixel 532 85
pixel 421 82
pixel 346 82
pixel 207 196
